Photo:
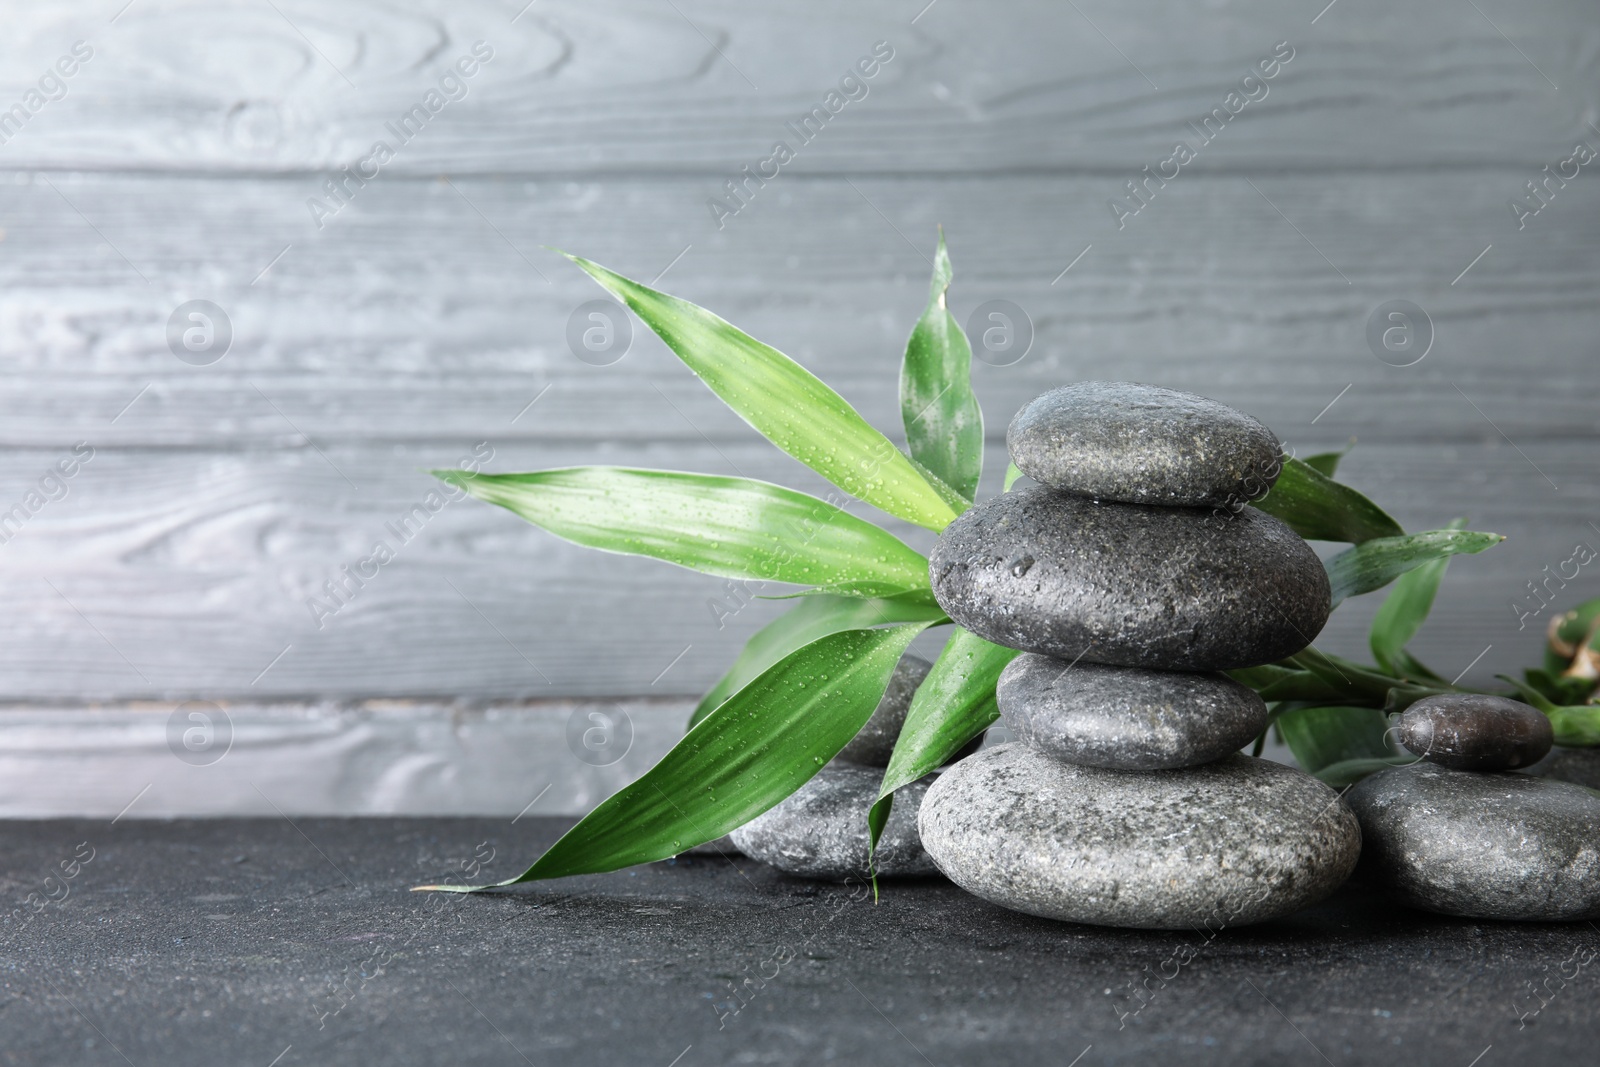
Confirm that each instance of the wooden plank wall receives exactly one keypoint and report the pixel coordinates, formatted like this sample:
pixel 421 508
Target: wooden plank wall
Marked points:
pixel 425 317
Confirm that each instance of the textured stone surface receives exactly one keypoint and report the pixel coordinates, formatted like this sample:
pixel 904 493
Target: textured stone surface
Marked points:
pixel 1233 842
pixel 1580 765
pixel 1476 732
pixel 1140 444
pixel 821 830
pixel 875 743
pixel 1170 588
pixel 1484 846
pixel 1126 717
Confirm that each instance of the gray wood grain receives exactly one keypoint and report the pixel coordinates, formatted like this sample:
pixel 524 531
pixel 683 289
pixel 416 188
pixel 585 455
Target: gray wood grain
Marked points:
pixel 631 87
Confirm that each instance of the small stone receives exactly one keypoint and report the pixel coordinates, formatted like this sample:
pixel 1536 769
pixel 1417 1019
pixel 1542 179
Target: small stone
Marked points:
pixel 1127 717
pixel 820 831
pixel 1236 841
pixel 875 743
pixel 1139 444
pixel 1482 846
pixel 1167 588
pixel 1476 732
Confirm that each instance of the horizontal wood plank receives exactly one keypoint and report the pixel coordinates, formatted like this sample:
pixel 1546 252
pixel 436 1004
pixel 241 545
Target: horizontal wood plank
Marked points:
pixel 624 87
pixel 430 312
pixel 158 575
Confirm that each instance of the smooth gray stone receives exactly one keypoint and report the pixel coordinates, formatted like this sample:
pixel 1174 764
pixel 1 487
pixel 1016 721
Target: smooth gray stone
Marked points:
pixel 1140 444
pixel 1237 841
pixel 821 830
pixel 1476 732
pixel 1482 846
pixel 1127 718
pixel 875 743
pixel 1133 586
pixel 1580 765
pixel 722 846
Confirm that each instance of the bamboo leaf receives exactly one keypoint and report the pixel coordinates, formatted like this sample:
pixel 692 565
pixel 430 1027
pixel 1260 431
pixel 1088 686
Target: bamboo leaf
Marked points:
pixel 1326 463
pixel 1402 614
pixel 1576 726
pixel 1321 509
pixel 1322 737
pixel 733 527
pixel 943 423
pixel 788 405
pixel 762 744
pixel 954 704
pixel 1013 472
pixel 814 617
pixel 1374 564
pixel 1349 772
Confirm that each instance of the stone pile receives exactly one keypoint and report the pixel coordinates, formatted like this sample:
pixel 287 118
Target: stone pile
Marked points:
pixel 1130 578
pixel 1460 833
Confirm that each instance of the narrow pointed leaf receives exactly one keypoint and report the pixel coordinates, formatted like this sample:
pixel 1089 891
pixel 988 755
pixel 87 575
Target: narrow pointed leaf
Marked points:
pixel 943 423
pixel 788 405
pixel 1576 726
pixel 1321 737
pixel 954 704
pixel 1325 463
pixel 1402 614
pixel 733 527
pixel 1374 564
pixel 1349 772
pixel 1013 472
pixel 765 742
pixel 814 617
pixel 1321 509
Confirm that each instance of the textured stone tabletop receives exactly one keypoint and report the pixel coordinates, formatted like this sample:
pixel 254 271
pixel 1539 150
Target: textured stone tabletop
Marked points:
pixel 265 943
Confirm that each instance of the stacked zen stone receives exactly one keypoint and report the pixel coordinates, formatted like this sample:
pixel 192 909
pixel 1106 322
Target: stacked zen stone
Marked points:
pixel 1130 579
pixel 820 831
pixel 1459 833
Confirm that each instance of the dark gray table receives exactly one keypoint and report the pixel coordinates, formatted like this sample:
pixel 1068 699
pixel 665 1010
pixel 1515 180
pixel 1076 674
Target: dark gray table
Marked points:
pixel 262 942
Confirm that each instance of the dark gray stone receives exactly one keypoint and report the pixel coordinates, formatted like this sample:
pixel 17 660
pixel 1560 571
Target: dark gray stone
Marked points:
pixel 1483 846
pixel 1127 718
pixel 1580 765
pixel 1169 588
pixel 722 846
pixel 821 830
pixel 875 743
pixel 1237 841
pixel 1140 444
pixel 1476 732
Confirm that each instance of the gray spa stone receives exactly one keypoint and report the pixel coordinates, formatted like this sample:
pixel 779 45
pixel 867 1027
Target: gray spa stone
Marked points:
pixel 821 830
pixel 1127 718
pixel 1237 841
pixel 874 744
pixel 1139 444
pixel 1476 732
pixel 1580 765
pixel 1481 846
pixel 1169 588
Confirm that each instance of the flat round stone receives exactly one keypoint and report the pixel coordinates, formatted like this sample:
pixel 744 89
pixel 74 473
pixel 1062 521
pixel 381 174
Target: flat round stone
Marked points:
pixel 875 743
pixel 821 830
pixel 1169 588
pixel 1476 732
pixel 1482 846
pixel 1237 841
pixel 1127 718
pixel 1140 444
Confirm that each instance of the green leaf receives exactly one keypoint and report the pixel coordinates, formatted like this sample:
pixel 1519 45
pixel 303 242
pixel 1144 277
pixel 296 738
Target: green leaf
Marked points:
pixel 1349 772
pixel 1576 727
pixel 1402 614
pixel 1013 472
pixel 814 617
pixel 733 527
pixel 1326 463
pixel 1322 737
pixel 1321 509
pixel 765 742
pixel 954 704
pixel 788 405
pixel 1374 564
pixel 944 425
